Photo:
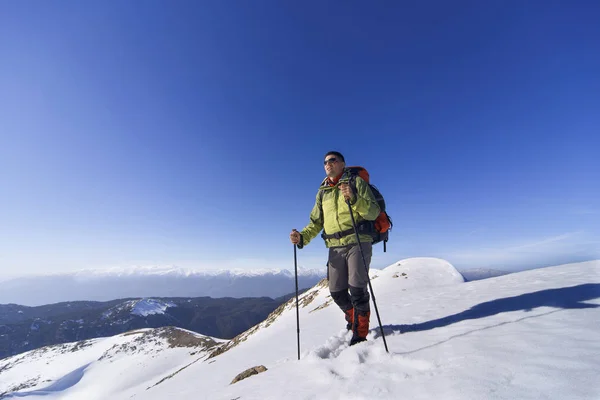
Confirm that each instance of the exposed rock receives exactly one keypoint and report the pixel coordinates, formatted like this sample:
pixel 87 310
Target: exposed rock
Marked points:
pixel 313 293
pixel 24 385
pixel 304 300
pixel 153 341
pixel 249 372
pixel 181 338
pixel 327 303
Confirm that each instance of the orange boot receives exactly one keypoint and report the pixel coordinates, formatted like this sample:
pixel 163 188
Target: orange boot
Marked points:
pixel 362 327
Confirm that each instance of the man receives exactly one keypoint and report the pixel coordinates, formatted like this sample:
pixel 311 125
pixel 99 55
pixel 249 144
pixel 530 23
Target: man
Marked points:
pixel 348 276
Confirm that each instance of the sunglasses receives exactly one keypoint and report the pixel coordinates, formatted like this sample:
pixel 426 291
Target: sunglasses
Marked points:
pixel 330 161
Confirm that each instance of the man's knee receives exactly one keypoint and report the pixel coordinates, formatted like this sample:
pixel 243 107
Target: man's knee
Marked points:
pixel 342 299
pixel 360 298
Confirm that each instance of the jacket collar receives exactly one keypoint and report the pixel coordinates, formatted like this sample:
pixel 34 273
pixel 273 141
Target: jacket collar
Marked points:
pixel 330 182
pixel 334 181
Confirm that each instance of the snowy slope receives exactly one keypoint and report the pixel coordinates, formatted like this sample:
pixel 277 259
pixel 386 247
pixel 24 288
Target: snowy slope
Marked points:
pixel 133 361
pixel 526 335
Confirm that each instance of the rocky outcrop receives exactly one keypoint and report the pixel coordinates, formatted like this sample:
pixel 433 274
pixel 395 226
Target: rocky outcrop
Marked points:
pixel 249 372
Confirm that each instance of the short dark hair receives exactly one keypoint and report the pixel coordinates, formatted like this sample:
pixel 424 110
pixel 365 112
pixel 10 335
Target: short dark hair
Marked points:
pixel 337 154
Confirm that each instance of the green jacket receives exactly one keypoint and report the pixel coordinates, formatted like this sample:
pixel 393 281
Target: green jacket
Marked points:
pixel 331 212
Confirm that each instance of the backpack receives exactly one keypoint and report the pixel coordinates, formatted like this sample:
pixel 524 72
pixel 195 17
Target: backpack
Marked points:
pixel 378 229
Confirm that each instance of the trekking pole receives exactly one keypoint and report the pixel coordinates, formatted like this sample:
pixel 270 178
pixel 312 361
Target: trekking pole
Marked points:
pixel 297 309
pixel 368 278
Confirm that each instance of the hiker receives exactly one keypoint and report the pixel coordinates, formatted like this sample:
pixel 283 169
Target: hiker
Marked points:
pixel 348 276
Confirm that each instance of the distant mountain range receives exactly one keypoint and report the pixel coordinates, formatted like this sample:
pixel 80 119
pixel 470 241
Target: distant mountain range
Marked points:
pixel 25 328
pixel 117 283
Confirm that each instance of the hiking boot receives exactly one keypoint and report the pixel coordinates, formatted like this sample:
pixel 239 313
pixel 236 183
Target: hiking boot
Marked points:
pixel 362 327
pixel 357 339
pixel 349 315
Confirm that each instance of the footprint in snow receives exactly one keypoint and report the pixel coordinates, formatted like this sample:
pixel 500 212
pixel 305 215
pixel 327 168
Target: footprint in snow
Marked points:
pixel 335 345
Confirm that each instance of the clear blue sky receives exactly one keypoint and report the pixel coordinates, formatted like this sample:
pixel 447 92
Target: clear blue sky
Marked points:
pixel 193 132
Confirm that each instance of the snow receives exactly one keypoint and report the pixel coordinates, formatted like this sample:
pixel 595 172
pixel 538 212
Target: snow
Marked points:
pixel 526 335
pixel 102 368
pixel 147 307
pixel 142 307
pixel 60 385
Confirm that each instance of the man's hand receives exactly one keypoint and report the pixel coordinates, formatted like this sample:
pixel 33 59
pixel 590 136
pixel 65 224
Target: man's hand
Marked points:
pixel 346 191
pixel 295 236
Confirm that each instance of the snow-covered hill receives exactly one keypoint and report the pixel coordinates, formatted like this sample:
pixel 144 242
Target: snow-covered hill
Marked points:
pixel 527 335
pixel 118 283
pixel 134 361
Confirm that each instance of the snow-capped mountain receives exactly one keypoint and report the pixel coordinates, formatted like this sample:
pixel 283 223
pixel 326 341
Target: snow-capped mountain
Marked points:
pixel 25 328
pixel 526 335
pixel 118 283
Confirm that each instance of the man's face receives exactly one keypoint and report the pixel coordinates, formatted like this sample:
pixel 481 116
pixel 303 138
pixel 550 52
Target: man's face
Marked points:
pixel 333 166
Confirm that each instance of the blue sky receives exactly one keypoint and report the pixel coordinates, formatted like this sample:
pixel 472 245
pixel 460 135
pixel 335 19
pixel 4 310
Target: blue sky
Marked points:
pixel 193 133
